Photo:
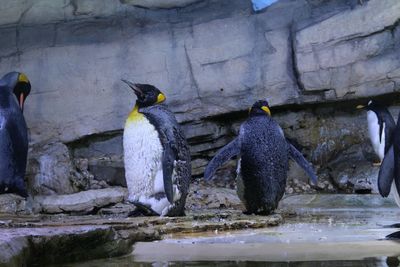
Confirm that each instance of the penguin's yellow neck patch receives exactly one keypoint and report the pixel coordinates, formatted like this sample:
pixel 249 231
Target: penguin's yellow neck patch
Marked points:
pixel 135 115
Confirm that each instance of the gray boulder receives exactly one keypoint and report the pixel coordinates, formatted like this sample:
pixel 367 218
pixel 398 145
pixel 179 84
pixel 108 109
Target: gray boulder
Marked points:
pixel 11 203
pixel 83 202
pixel 51 171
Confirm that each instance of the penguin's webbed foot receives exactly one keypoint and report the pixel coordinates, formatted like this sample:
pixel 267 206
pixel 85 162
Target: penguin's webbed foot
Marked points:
pixel 142 210
pixel 167 210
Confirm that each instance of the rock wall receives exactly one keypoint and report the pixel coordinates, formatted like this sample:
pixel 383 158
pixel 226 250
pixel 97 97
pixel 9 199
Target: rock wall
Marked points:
pixel 212 58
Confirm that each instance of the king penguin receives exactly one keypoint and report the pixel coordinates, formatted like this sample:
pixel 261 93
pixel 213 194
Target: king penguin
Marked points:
pixel 156 155
pixel 262 168
pixel 14 88
pixel 380 127
pixel 389 173
pixel 382 132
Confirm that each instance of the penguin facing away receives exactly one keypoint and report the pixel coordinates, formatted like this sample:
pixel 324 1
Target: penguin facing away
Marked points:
pixel 382 132
pixel 262 169
pixel 14 89
pixel 156 155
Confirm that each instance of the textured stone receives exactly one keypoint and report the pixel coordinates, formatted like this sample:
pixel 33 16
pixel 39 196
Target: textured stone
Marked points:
pixel 202 197
pixel 82 202
pixel 51 171
pixel 160 3
pixel 11 203
pixel 119 209
pixel 186 62
pixel 213 60
pixel 110 170
pixel 349 54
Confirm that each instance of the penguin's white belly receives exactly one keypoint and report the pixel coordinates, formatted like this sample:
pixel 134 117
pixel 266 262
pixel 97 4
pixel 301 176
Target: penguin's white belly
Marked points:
pixel 395 194
pixel 143 165
pixel 373 129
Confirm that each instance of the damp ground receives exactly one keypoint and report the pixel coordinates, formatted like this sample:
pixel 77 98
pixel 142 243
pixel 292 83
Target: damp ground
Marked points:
pixel 317 230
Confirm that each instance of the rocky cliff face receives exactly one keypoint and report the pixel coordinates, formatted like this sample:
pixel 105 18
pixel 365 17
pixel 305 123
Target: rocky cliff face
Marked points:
pixel 312 59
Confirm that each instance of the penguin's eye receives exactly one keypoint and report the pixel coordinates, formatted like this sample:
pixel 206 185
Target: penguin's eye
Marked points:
pixel 266 109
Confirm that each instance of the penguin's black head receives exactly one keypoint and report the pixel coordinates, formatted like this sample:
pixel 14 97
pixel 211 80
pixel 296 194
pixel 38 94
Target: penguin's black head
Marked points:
pixel 372 105
pixel 19 84
pixel 261 107
pixel 147 95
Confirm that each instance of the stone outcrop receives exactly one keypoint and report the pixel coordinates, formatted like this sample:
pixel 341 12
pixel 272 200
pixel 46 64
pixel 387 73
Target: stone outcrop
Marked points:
pixel 80 203
pixel 76 55
pixel 11 203
pixel 352 54
pixel 51 170
pixel 33 241
pixel 213 59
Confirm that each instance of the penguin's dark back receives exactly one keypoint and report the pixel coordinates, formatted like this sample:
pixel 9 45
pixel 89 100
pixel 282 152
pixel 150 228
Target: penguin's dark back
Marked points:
pixel 264 161
pixel 171 133
pixel 164 121
pixel 13 148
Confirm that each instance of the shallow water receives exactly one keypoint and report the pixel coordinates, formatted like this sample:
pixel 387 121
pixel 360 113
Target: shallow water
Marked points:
pixel 316 236
pixel 125 262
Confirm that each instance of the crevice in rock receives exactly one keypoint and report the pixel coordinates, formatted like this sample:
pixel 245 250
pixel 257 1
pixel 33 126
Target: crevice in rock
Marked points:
pixel 295 70
pixel 126 2
pixel 86 140
pixel 192 78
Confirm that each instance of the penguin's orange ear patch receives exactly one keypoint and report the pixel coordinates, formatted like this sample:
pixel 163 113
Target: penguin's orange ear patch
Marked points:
pixel 160 98
pixel 266 109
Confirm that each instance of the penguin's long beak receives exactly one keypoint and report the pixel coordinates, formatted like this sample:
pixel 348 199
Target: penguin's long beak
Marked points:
pixel 21 101
pixel 134 87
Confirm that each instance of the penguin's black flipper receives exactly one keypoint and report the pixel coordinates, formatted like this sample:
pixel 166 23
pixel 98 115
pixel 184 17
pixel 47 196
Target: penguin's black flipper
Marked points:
pixel 224 154
pixel 396 156
pixel 13 151
pixel 386 173
pixel 394 236
pixel 390 126
pixel 168 168
pixel 303 163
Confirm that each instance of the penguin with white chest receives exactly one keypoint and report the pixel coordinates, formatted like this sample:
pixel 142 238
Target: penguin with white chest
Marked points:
pixel 264 154
pixel 156 155
pixel 380 127
pixel 382 133
pixel 14 88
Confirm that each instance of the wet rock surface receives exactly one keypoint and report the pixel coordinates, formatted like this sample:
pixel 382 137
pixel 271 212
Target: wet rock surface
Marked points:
pixel 353 222
pixel 50 239
pixel 203 196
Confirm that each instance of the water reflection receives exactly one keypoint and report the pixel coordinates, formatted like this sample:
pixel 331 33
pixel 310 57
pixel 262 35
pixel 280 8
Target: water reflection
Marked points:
pixel 129 261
